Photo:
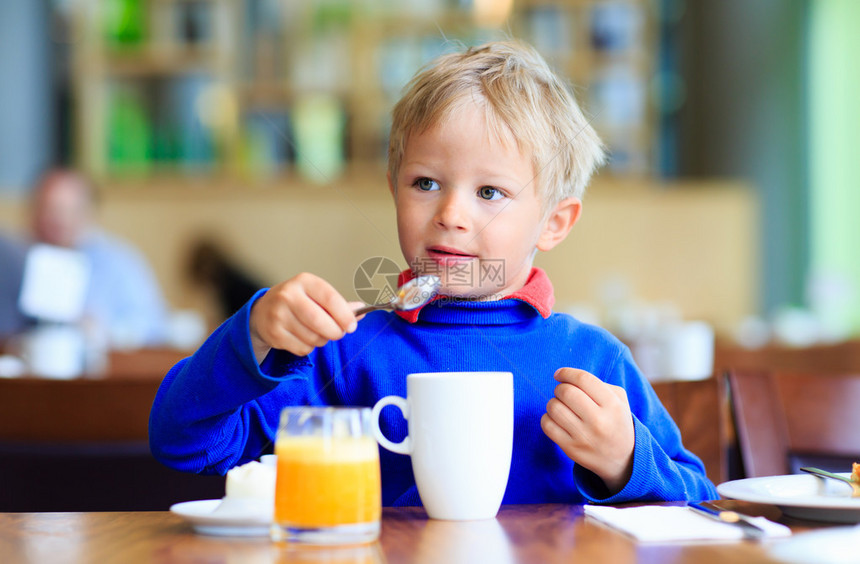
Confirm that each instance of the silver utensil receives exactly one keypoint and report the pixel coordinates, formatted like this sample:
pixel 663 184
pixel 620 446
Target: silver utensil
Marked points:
pixel 855 487
pixel 750 529
pixel 411 295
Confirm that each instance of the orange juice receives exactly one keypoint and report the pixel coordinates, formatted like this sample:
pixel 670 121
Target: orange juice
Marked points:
pixel 327 481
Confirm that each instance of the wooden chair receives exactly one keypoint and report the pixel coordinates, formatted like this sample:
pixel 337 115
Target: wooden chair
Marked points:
pixel 697 407
pixel 787 420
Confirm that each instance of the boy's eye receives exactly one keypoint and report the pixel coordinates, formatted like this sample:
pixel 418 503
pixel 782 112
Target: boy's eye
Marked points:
pixel 426 184
pixel 490 193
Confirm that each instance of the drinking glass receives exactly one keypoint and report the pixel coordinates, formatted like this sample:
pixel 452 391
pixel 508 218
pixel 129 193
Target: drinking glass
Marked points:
pixel 327 489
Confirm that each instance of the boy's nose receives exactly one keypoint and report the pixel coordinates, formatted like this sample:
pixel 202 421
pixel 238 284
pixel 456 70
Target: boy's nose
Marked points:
pixel 452 212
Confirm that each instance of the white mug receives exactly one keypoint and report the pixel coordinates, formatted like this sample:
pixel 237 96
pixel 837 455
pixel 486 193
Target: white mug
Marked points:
pixel 688 351
pixel 55 351
pixel 460 438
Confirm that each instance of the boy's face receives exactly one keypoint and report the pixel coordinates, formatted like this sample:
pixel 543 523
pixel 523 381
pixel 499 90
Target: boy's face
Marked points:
pixel 468 210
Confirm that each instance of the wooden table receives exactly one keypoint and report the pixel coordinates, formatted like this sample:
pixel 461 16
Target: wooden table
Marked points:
pixel 525 533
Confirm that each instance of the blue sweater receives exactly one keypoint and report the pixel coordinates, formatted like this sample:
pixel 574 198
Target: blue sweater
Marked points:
pixel 218 408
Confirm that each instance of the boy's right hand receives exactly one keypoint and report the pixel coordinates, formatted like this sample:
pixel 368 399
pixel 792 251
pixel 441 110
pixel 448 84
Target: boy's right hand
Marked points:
pixel 299 315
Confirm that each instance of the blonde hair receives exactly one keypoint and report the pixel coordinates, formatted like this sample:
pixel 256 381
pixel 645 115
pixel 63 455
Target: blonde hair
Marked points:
pixel 522 96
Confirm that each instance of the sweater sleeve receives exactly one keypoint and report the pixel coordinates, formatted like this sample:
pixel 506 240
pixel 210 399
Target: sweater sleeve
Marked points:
pixel 663 470
pixel 219 408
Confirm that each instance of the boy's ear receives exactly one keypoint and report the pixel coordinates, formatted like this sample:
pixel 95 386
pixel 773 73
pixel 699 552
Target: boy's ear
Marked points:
pixel 390 183
pixel 559 222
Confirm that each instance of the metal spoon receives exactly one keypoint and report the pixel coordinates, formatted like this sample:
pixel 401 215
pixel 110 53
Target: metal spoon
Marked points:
pixel 855 486
pixel 411 295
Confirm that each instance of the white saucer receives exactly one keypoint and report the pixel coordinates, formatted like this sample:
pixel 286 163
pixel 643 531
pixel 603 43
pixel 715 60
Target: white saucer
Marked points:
pixel 205 520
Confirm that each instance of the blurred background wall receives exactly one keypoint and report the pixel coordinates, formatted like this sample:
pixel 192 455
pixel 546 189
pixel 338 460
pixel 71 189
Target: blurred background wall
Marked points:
pixel 27 126
pixel 201 118
pixel 745 67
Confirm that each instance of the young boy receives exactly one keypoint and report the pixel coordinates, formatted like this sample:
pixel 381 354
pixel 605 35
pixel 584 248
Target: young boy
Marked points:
pixel 489 156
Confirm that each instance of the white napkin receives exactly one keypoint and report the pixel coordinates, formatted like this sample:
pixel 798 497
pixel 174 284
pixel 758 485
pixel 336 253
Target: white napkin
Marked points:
pixel 657 523
pixel 55 283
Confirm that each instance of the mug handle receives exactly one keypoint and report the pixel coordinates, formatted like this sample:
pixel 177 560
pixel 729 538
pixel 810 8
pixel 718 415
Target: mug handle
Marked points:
pixel 404 446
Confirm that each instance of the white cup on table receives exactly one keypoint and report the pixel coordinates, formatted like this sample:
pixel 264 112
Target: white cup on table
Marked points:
pixel 460 438
pixel 55 351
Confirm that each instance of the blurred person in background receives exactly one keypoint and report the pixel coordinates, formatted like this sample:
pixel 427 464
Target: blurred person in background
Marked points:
pixel 123 298
pixel 12 255
pixel 211 266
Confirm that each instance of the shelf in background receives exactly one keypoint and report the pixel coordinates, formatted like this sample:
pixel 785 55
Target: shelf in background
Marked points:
pixel 160 60
pixel 223 86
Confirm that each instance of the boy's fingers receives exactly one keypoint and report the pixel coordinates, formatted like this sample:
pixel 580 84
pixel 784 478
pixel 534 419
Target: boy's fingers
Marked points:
pixel 317 308
pixel 595 388
pixel 354 306
pixel 303 333
pixel 295 345
pixel 312 315
pixel 290 335
pixel 554 431
pixel 342 314
pixel 620 392
pixel 563 416
pixel 335 308
pixel 576 400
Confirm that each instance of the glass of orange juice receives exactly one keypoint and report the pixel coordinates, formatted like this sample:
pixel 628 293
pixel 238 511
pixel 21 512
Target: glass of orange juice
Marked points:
pixel 327 487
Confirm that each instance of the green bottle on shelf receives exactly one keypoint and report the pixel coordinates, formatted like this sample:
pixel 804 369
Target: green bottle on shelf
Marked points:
pixel 318 124
pixel 124 21
pixel 129 133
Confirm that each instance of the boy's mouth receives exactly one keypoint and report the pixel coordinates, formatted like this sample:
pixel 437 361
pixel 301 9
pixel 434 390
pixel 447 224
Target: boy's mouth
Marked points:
pixel 448 255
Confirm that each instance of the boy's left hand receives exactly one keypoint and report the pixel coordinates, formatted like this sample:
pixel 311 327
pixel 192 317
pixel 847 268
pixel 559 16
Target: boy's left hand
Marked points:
pixel 591 421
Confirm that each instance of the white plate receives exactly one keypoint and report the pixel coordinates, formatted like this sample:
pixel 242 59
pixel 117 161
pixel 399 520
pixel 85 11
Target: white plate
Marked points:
pixel 202 516
pixel 799 495
pixel 833 545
